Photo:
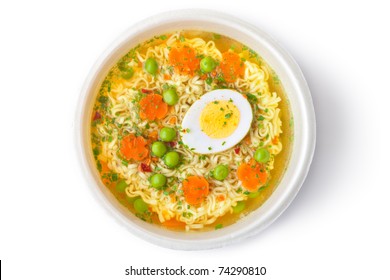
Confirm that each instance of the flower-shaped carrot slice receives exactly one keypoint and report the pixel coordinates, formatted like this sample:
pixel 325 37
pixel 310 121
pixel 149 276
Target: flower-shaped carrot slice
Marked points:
pixel 195 189
pixel 153 107
pixel 134 147
pixel 231 66
pixel 184 60
pixel 252 175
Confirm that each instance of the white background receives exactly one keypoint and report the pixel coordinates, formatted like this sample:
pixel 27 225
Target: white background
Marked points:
pixel 51 227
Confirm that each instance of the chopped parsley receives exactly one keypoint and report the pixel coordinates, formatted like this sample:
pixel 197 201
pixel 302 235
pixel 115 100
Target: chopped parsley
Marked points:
pixel 103 99
pixel 252 98
pixel 219 226
pixel 216 36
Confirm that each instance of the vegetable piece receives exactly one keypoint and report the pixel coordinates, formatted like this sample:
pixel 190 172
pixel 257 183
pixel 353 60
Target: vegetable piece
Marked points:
pixel 151 66
pixel 195 189
pixel 252 175
pixel 172 159
pixel 158 181
pixel 144 167
pixel 130 199
pixel 170 96
pixel 254 194
pixel 167 134
pixel 173 223
pixel 140 206
pixel 153 107
pixel 220 172
pixel 239 207
pixel 121 186
pixel 184 60
pixel 171 144
pixel 219 226
pixel 237 150
pixel 207 64
pixel 231 66
pixel 159 149
pixel 145 90
pixel 134 147
pixel 127 74
pixel 97 116
pixel 261 155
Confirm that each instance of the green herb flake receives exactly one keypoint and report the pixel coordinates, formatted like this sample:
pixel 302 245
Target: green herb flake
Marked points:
pixel 216 36
pixel 219 226
pixel 103 99
pixel 252 98
pixel 114 177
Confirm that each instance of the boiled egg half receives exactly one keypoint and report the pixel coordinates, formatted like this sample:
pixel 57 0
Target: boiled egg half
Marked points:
pixel 216 122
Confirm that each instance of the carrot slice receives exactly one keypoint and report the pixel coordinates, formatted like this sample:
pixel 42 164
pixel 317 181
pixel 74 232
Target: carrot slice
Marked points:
pixel 173 223
pixel 184 60
pixel 153 107
pixel 231 66
pixel 134 147
pixel 252 175
pixel 195 189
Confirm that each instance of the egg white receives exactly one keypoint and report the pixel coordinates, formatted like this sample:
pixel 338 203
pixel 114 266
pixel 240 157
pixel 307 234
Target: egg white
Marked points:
pixel 200 142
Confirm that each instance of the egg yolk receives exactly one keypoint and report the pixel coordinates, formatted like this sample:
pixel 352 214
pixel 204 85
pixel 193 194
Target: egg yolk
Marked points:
pixel 219 119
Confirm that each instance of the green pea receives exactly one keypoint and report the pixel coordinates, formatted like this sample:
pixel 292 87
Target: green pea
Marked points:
pixel 130 199
pixel 254 194
pixel 220 172
pixel 158 181
pixel 170 96
pixel 172 159
pixel 159 149
pixel 121 186
pixel 262 155
pixel 140 206
pixel 167 134
pixel 127 74
pixel 239 207
pixel 207 64
pixel 151 66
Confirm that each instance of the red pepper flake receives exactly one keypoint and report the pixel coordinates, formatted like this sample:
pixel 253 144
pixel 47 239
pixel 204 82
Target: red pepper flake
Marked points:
pixel 171 144
pixel 237 150
pixel 144 90
pixel 145 167
pixel 97 116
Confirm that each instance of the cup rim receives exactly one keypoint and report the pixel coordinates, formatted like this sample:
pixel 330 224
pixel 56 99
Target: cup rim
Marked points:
pixel 307 131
